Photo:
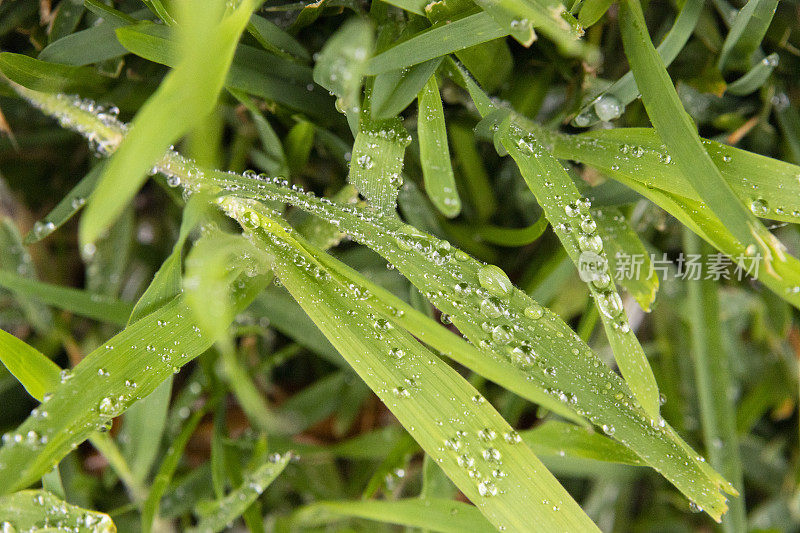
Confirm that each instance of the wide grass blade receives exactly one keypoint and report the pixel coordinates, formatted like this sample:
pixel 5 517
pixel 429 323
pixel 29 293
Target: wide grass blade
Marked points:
pixel 37 373
pixel 50 77
pixel 432 514
pixel 420 390
pixel 38 510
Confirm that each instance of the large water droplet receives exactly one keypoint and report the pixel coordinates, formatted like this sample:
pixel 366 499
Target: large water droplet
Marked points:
pixel 494 280
pixel 607 107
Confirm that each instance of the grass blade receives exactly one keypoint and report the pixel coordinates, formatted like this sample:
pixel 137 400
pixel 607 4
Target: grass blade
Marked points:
pixel 437 41
pixel 746 33
pixel 37 373
pixel 713 384
pixel 186 96
pixel 38 510
pixel 215 516
pixel 433 514
pixel 434 153
pixel 622 92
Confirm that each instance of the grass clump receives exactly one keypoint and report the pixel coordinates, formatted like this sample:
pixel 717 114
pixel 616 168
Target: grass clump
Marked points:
pixel 588 317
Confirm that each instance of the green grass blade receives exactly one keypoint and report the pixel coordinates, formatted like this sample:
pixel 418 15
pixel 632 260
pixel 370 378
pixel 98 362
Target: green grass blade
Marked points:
pixel 37 373
pixel 678 132
pixel 755 78
pixel 624 91
pixel 166 470
pixel 92 45
pixel 50 77
pixel 513 236
pixel 573 223
pixel 91 305
pixel 639 155
pixel 746 33
pixel 434 153
pixel 472 171
pixel 342 63
pixel 713 384
pixel 38 510
pixel 520 18
pixel 393 91
pixel 215 516
pixel 66 208
pixel 420 390
pixel 16 260
pixel 185 96
pixel 437 41
pixel 620 238
pixel 433 514
pixel 592 10
pixel 554 438
pixel 274 39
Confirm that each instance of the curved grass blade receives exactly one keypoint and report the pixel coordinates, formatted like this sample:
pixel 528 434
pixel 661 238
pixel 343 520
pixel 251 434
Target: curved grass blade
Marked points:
pixel 437 41
pixel 520 18
pixel 554 438
pixel 432 514
pixel 37 373
pixel 677 131
pixel 38 510
pixel 513 236
pixel 91 305
pixel 434 153
pixel 393 91
pixel 622 92
pixel 592 10
pixel 184 98
pixel 420 391
pixel 215 516
pixel 624 244
pixel 50 77
pixel 755 78
pixel 563 373
pixel 66 208
pixel 746 33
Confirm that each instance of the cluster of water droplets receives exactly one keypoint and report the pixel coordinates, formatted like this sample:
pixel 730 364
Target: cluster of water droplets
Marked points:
pixel 56 515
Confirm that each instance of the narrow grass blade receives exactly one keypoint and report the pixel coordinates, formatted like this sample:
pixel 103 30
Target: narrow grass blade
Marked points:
pixel 432 514
pixel 513 236
pixel 215 516
pixel 420 390
pixel 186 96
pixel 639 155
pixel 50 77
pixel 622 92
pixel 746 33
pixel 16 260
pixel 166 470
pixel 434 153
pixel 91 305
pixel 623 243
pixel 678 132
pixel 66 208
pixel 713 384
pixel 573 223
pixel 393 91
pixel 38 510
pixel 437 41
pixel 274 39
pixel 92 45
pixel 472 171
pixel 342 63
pixel 755 78
pixel 37 373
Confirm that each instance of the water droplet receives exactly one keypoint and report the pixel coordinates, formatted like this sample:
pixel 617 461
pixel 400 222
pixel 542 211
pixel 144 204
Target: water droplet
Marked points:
pixel 534 311
pixel 494 280
pixel 607 107
pixel 759 207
